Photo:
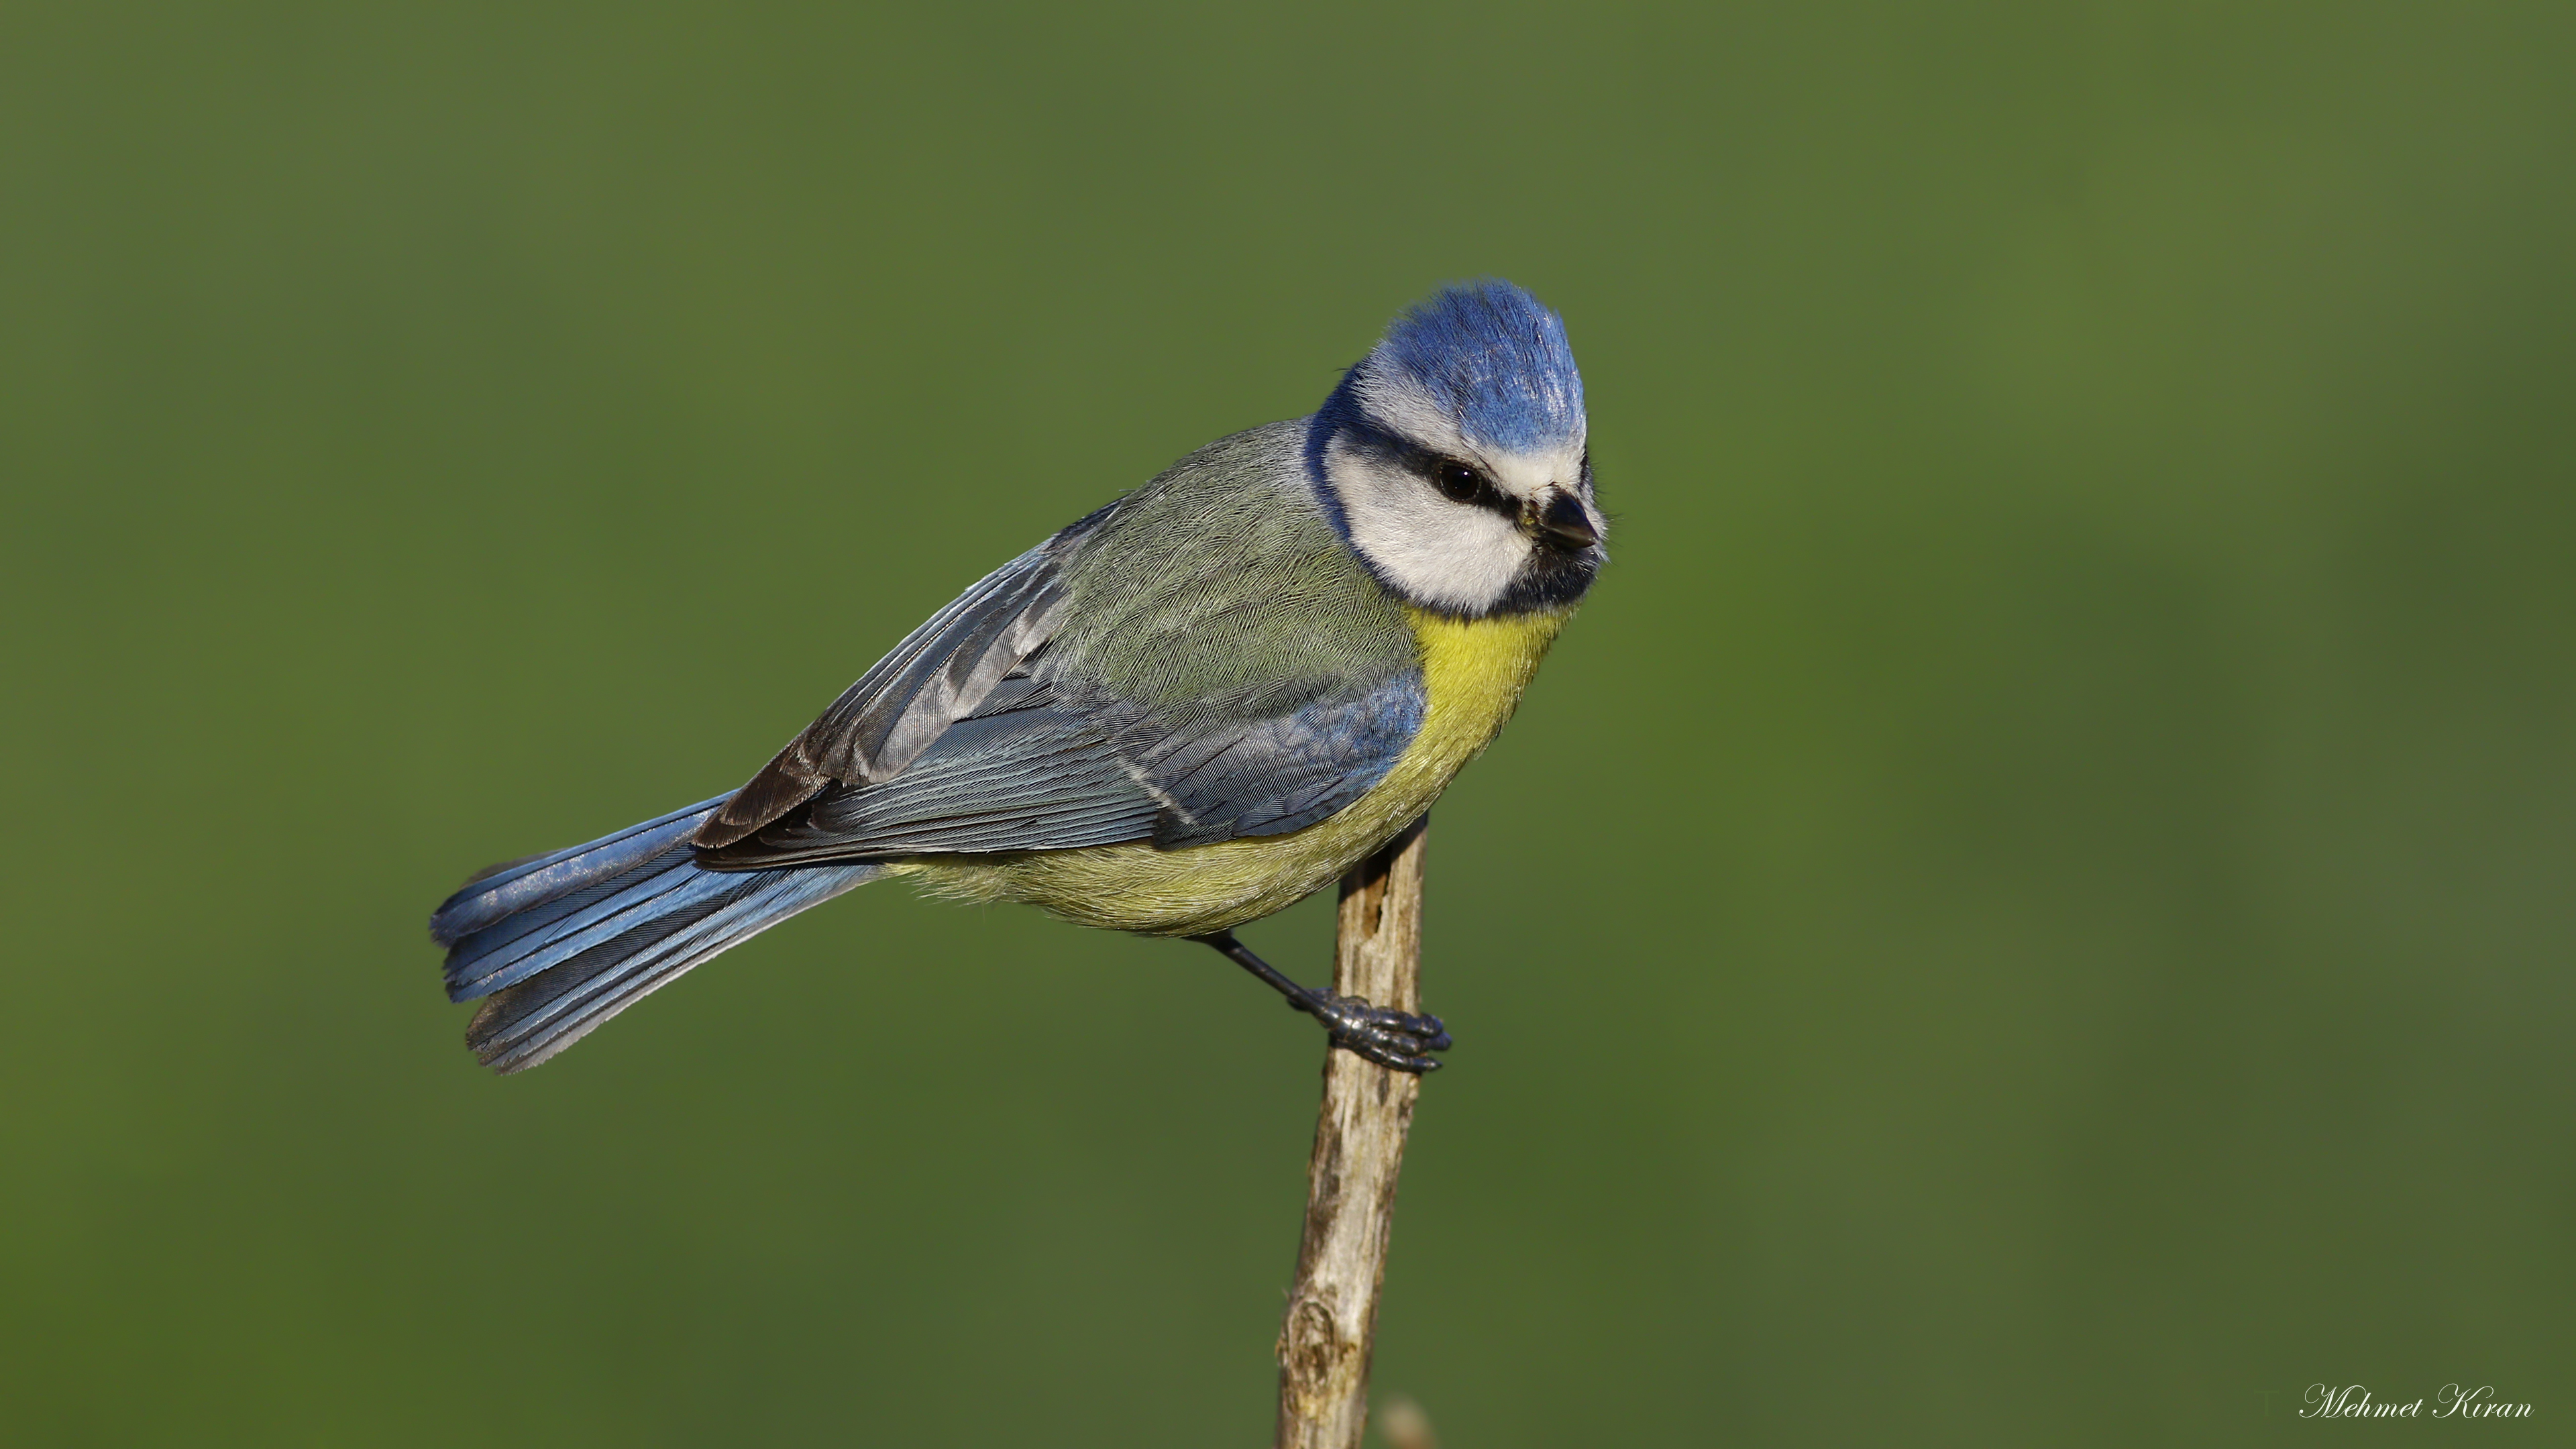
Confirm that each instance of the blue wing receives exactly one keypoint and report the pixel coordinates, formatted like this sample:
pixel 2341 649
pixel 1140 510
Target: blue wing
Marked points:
pixel 1270 774
pixel 1035 769
pixel 1009 723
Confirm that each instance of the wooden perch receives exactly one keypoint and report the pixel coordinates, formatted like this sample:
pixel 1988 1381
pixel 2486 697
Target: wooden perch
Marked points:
pixel 1331 1327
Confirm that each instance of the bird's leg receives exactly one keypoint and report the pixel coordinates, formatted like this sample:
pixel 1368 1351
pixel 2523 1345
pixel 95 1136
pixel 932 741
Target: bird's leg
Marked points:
pixel 1394 1039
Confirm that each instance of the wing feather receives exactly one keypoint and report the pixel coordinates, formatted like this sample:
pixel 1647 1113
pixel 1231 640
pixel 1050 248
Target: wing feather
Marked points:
pixel 938 675
pixel 1231 671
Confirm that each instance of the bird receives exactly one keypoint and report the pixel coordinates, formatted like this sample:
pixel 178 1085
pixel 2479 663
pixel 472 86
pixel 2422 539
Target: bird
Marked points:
pixel 1181 713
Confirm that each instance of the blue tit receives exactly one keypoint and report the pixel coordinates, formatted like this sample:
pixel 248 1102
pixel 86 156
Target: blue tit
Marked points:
pixel 1184 712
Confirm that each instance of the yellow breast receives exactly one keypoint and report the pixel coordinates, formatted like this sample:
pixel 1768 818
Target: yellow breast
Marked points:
pixel 1473 672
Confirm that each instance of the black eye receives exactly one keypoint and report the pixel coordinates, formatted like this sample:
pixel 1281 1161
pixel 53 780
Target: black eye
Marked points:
pixel 1458 482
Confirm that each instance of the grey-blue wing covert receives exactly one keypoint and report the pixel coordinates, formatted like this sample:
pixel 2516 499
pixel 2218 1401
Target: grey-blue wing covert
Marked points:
pixel 1156 716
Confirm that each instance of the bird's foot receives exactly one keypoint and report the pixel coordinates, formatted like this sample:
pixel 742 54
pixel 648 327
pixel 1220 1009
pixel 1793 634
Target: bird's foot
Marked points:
pixel 1395 1039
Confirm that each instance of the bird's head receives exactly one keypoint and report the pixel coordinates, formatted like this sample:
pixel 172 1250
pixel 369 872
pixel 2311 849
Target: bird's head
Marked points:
pixel 1452 457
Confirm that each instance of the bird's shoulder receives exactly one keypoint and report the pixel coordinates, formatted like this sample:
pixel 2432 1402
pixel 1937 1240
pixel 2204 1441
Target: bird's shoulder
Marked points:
pixel 1223 583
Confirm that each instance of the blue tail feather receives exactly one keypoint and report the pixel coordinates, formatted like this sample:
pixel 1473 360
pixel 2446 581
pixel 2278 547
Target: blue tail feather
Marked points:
pixel 519 946
pixel 562 942
pixel 508 889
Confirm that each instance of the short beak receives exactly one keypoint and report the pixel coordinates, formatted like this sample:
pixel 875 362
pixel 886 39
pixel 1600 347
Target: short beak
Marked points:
pixel 1560 514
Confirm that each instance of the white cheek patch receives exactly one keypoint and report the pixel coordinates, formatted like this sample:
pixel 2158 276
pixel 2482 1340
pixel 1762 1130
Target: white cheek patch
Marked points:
pixel 1453 555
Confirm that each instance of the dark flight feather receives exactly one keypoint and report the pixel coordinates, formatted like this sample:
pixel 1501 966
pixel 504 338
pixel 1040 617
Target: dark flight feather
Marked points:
pixel 935 677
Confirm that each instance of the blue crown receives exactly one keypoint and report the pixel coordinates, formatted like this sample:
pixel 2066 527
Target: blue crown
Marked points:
pixel 1495 358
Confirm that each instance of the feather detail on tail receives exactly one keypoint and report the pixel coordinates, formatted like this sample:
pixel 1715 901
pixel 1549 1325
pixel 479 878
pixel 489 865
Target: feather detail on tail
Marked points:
pixel 562 942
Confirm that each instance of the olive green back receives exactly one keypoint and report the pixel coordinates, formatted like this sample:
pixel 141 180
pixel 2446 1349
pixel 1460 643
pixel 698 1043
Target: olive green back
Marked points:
pixel 1221 586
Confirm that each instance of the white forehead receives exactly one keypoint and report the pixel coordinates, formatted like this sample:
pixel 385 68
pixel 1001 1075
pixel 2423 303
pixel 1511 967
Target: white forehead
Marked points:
pixel 1408 410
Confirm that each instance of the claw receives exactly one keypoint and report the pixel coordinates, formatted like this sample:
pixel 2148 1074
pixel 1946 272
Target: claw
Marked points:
pixel 1396 1040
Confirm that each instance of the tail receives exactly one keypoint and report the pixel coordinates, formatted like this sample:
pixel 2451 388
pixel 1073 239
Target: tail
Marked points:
pixel 562 942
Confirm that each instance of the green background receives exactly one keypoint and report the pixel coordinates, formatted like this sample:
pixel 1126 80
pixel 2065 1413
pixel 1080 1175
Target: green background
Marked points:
pixel 2032 907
